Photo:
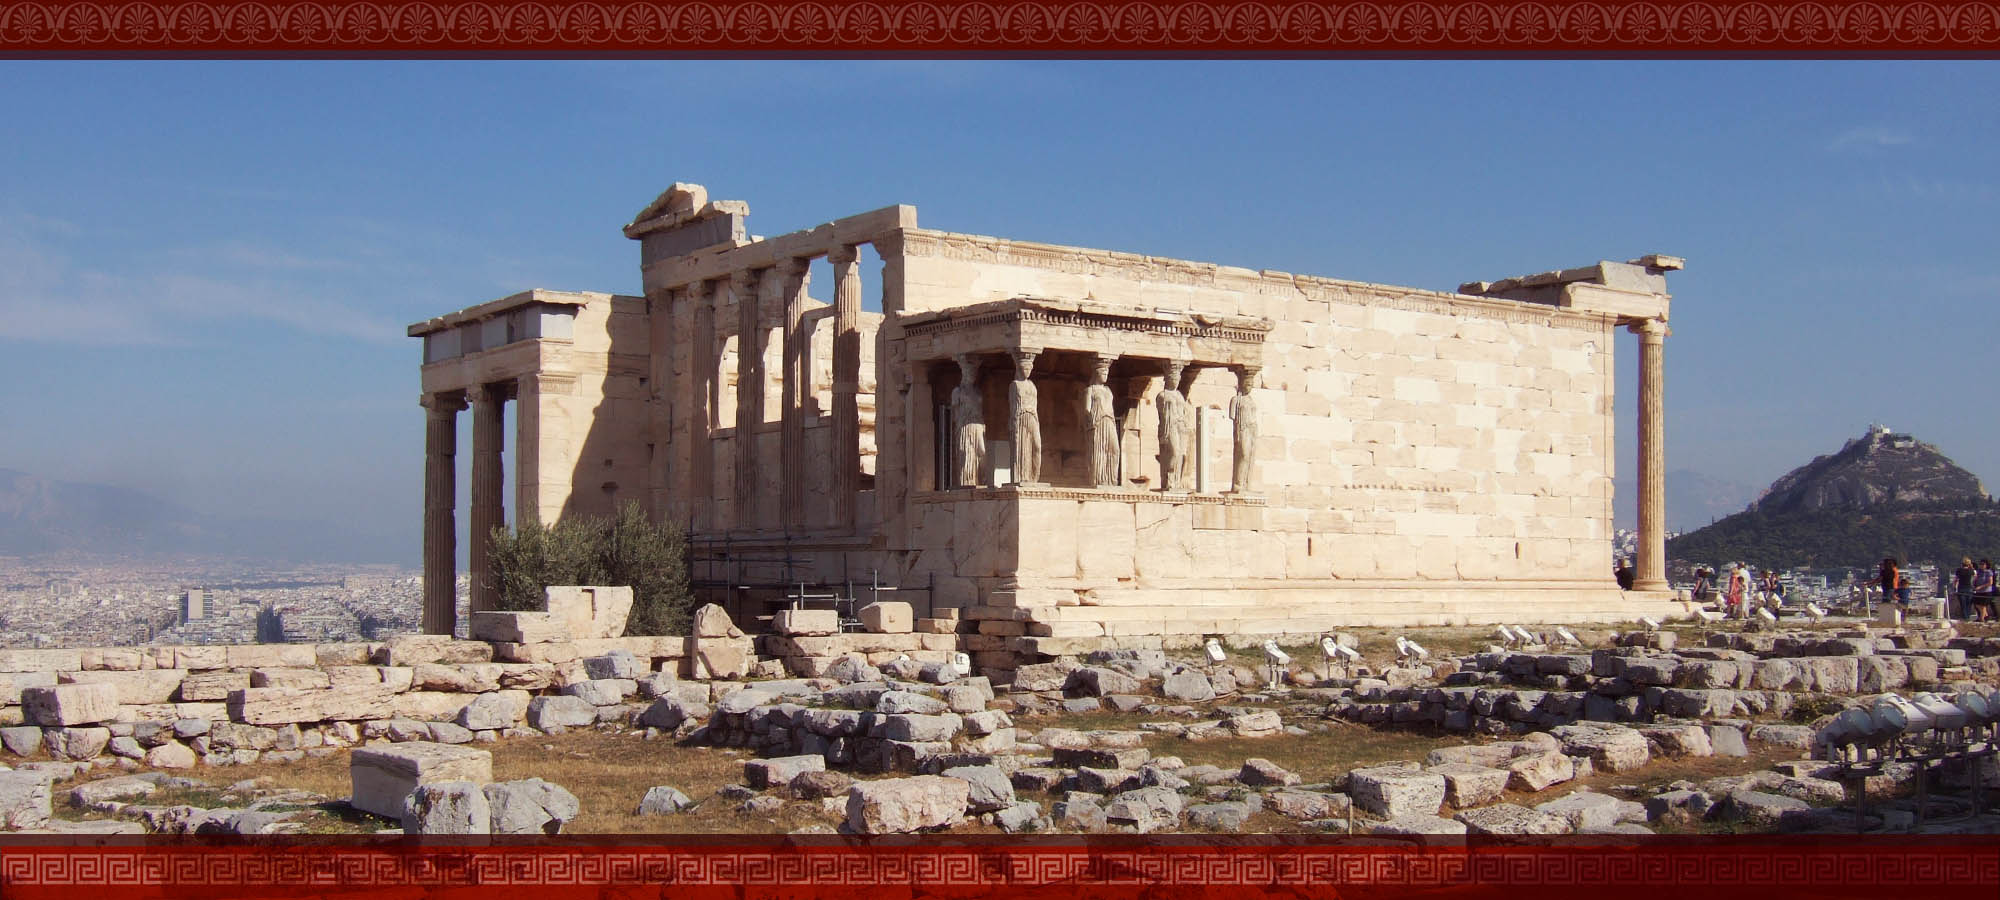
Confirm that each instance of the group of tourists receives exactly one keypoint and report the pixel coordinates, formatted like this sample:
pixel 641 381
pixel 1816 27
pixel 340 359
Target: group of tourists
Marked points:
pixel 1975 589
pixel 1740 592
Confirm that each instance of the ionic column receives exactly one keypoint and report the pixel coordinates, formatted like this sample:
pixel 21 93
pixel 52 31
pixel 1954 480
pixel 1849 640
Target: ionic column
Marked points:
pixel 791 422
pixel 1652 569
pixel 488 477
pixel 749 395
pixel 440 526
pixel 701 408
pixel 846 460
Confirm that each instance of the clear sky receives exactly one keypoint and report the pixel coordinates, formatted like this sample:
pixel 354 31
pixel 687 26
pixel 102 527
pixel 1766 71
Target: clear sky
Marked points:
pixel 206 267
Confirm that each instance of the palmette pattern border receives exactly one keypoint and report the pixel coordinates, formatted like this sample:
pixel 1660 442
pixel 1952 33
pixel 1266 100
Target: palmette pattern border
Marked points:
pixel 1496 27
pixel 1739 865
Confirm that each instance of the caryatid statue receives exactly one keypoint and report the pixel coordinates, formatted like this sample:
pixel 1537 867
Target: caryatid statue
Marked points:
pixel 1099 412
pixel 1021 401
pixel 968 419
pixel 1243 415
pixel 1176 431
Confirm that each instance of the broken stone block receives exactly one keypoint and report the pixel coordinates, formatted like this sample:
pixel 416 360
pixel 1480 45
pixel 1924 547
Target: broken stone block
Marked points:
pixel 70 704
pixel 1467 785
pixel 1508 818
pixel 1678 740
pixel 520 627
pixel 447 807
pixel 1537 771
pixel 1258 772
pixel 619 664
pixel 77 743
pixel 384 776
pixel 1611 748
pixel 806 622
pixel 499 709
pixel 1145 810
pixel 25 800
pixel 1591 810
pixel 278 706
pixel 989 788
pixel 531 806
pixel 1187 685
pixel 887 617
pixel 592 612
pixel 663 800
pixel 561 711
pixel 21 740
pixel 902 805
pixel 1761 810
pixel 1306 805
pixel 769 773
pixel 712 621
pixel 1418 824
pixel 1392 792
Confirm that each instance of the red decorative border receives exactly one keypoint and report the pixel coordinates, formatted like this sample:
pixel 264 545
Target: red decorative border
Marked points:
pixel 1822 867
pixel 1003 27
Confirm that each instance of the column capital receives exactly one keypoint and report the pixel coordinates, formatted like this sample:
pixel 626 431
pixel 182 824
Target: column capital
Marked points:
pixel 443 401
pixel 1655 329
pixel 746 279
pixel 842 254
pixel 888 245
pixel 794 266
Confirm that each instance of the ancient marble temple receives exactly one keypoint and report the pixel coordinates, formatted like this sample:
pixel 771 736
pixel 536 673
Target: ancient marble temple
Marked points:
pixel 1058 446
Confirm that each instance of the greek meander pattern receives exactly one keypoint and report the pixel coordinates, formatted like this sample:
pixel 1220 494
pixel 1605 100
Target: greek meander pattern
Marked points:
pixel 1147 26
pixel 1278 868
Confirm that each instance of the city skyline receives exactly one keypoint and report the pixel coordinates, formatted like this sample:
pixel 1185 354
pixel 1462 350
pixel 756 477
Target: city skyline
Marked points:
pixel 206 268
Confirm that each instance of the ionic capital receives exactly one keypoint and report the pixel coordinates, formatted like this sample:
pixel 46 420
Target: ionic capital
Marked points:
pixel 1650 329
pixel 443 402
pixel 842 254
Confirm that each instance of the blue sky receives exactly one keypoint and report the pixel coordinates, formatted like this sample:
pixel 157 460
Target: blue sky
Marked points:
pixel 206 267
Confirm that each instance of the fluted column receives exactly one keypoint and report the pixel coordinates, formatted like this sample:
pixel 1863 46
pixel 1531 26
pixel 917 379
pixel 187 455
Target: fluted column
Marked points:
pixel 1651 574
pixel 440 526
pixel 488 481
pixel 791 413
pixel 749 395
pixel 846 459
pixel 701 409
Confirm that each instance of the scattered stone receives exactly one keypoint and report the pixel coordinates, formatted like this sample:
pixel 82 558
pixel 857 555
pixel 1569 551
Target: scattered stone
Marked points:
pixel 990 790
pixel 1259 772
pixel 1189 686
pixel 819 785
pixel 1080 811
pixel 1306 805
pixel 1538 771
pixel 21 740
pixel 663 800
pixel 1418 824
pixel 1021 817
pixel 1727 740
pixel 1225 816
pixel 770 773
pixel 1145 810
pixel 902 805
pixel 25 799
pixel 447 807
pixel 384 776
pixel 562 711
pixel 1508 818
pixel 532 806
pixel 1761 810
pixel 1393 792
pixel 1467 785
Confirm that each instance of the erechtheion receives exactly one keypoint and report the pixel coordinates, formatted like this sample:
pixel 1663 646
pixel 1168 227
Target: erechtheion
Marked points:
pixel 1056 445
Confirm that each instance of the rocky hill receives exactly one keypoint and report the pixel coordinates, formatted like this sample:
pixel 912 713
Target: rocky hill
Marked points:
pixel 1876 468
pixel 1883 494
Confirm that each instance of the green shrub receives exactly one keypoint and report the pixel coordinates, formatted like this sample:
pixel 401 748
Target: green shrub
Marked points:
pixel 628 549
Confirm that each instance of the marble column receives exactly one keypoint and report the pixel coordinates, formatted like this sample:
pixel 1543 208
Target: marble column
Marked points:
pixel 846 461
pixel 749 395
pixel 488 478
pixel 440 525
pixel 701 409
pixel 1651 574
pixel 791 413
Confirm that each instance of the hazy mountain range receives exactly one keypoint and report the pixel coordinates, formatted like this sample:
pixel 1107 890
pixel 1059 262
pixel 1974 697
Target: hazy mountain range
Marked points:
pixel 1693 499
pixel 42 515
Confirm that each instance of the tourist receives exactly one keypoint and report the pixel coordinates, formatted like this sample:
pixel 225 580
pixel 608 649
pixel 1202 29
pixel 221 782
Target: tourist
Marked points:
pixel 1961 597
pixel 1737 592
pixel 1983 592
pixel 1625 575
pixel 1895 588
pixel 1773 589
pixel 1701 584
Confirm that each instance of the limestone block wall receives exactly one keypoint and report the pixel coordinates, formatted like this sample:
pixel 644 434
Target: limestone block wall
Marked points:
pixel 1423 458
pixel 584 417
